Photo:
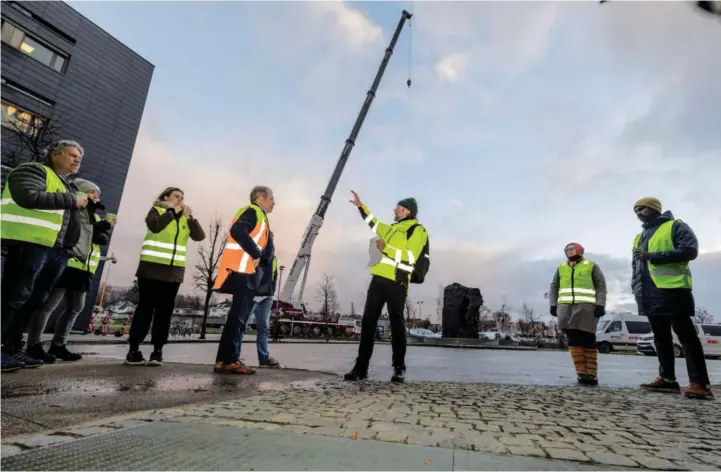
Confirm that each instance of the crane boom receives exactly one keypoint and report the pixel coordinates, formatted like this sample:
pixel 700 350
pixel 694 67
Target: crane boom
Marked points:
pixel 302 260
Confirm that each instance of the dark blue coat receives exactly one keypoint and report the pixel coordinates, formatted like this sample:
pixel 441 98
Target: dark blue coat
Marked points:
pixel 654 301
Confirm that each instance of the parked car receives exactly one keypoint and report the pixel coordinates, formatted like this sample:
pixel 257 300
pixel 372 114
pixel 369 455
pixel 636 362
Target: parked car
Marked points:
pixel 710 336
pixel 621 332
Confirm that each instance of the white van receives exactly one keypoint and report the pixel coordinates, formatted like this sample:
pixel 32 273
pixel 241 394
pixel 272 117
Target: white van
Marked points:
pixel 710 336
pixel 620 332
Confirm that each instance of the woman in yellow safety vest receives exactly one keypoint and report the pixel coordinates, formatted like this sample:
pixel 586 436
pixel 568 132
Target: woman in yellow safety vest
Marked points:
pixel 73 286
pixel 161 271
pixel 578 299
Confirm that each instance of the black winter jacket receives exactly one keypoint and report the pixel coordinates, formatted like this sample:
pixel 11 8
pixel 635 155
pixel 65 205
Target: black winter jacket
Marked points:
pixel 27 186
pixel 78 280
pixel 651 300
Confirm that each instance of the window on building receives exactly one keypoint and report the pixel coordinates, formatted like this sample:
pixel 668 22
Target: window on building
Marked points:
pixel 638 327
pixel 18 39
pixel 20 120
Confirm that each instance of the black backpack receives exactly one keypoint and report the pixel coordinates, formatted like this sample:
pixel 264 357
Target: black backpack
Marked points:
pixel 423 263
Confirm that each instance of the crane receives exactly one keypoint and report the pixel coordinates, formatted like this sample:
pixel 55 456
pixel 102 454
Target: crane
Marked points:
pixel 302 260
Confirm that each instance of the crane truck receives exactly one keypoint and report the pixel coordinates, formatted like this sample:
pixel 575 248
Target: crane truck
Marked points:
pixel 290 322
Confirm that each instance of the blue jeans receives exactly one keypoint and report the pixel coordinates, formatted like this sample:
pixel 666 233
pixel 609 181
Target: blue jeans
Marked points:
pixel 262 322
pixel 29 276
pixel 237 319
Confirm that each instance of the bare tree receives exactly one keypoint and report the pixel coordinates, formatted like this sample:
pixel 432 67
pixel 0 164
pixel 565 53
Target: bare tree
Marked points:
pixel 529 320
pixel 703 316
pixel 25 137
pixel 328 297
pixel 502 317
pixel 207 267
pixel 408 310
pixel 484 315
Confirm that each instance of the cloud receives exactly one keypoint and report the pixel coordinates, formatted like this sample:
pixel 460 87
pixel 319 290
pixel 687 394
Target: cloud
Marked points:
pixel 453 66
pixel 528 125
pixel 357 28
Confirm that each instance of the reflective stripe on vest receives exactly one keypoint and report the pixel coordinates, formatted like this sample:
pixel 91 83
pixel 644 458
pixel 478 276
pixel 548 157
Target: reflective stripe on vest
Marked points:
pixel 575 284
pixel 675 275
pixel 91 264
pixel 32 225
pixel 234 258
pixel 170 246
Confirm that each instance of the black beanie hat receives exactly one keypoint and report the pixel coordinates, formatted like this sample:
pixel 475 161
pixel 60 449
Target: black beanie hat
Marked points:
pixel 410 204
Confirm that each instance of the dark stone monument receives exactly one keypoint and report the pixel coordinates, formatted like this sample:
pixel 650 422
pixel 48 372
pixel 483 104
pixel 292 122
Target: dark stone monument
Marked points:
pixel 461 311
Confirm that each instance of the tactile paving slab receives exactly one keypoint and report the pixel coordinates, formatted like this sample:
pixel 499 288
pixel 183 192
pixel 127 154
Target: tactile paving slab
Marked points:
pixel 182 446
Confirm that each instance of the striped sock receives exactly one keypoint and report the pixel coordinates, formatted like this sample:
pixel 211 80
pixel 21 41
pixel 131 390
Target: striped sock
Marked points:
pixel 579 359
pixel 591 356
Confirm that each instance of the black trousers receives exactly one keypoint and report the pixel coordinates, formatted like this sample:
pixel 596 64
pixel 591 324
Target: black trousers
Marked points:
pixel 156 301
pixel 382 291
pixel 691 344
pixel 578 338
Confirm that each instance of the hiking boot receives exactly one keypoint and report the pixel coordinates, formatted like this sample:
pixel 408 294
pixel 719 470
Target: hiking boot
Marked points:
pixel 587 379
pixel 9 364
pixel 662 385
pixel 270 362
pixel 233 368
pixel 698 391
pixel 156 358
pixel 399 375
pixel 37 351
pixel 62 353
pixel 27 361
pixel 134 357
pixel 355 375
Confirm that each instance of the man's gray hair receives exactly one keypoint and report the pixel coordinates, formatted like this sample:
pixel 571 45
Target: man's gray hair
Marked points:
pixel 60 145
pixel 259 190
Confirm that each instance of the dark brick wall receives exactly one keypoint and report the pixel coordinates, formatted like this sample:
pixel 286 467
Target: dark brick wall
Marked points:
pixel 98 99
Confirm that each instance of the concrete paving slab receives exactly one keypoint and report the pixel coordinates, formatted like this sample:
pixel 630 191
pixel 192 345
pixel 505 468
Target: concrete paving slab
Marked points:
pixel 173 446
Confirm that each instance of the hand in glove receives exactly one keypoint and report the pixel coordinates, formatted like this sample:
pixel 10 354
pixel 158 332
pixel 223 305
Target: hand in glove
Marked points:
pixel 600 311
pixel 554 311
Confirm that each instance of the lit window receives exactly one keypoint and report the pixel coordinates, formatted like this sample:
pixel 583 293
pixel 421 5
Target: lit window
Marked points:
pixel 17 38
pixel 20 120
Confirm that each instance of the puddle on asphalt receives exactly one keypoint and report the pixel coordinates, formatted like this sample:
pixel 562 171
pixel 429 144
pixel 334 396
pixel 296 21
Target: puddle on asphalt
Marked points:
pixel 277 386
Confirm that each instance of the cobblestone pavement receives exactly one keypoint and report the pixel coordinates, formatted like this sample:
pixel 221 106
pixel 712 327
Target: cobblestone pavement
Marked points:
pixel 613 427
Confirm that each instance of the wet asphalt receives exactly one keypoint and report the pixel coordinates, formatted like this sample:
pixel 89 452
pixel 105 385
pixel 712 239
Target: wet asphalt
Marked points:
pixel 542 367
pixel 64 394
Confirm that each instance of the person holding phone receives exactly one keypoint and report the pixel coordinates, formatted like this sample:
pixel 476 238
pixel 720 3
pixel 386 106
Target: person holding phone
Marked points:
pixel 662 285
pixel 161 270
pixel 38 229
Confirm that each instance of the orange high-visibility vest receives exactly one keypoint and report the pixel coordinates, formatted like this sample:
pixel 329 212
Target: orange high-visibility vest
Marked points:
pixel 234 258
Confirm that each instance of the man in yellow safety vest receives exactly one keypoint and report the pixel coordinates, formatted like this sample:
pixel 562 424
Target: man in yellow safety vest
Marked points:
pixel 662 286
pixel 403 245
pixel 38 230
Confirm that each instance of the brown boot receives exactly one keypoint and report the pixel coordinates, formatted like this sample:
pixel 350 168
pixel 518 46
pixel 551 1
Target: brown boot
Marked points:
pixel 234 368
pixel 662 385
pixel 698 391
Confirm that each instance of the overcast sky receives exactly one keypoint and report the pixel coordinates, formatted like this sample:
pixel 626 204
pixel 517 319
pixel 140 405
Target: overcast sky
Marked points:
pixel 528 125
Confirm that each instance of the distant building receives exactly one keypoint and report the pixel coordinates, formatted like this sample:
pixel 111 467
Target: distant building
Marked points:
pixel 64 77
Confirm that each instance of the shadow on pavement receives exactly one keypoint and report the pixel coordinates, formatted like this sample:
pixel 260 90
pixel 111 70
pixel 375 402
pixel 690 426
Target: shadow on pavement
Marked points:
pixel 57 396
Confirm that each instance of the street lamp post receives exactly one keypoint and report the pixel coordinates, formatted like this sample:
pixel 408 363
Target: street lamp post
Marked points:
pixel 277 292
pixel 420 311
